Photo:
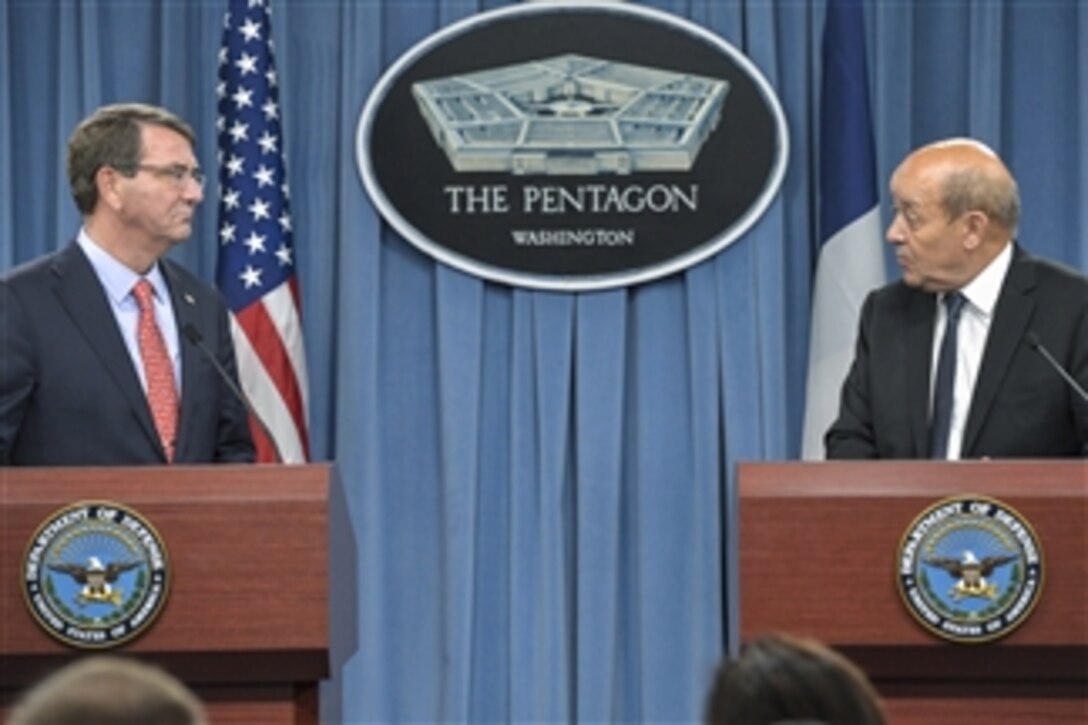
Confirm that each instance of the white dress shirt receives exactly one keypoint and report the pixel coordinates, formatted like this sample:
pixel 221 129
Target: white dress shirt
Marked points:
pixel 117 281
pixel 978 312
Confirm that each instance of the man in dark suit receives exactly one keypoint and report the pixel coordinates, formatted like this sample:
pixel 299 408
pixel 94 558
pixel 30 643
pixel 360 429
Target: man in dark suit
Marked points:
pixel 956 212
pixel 96 367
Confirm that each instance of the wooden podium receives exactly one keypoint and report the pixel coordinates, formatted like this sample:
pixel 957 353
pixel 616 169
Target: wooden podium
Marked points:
pixel 246 622
pixel 818 545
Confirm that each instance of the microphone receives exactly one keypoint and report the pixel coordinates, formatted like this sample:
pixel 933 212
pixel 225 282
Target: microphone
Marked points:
pixel 1037 345
pixel 194 336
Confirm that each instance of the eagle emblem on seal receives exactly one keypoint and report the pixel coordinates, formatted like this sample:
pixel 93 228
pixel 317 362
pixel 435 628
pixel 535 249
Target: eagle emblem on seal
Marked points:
pixel 971 573
pixel 98 579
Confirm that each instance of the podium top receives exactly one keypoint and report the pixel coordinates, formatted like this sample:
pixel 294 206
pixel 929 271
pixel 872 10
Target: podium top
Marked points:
pixel 248 548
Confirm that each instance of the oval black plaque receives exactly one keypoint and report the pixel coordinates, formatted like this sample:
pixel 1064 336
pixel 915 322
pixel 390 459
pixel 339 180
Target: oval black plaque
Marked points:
pixel 572 146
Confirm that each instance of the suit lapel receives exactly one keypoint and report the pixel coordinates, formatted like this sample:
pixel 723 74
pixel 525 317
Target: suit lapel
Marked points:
pixel 82 296
pixel 184 300
pixel 1015 306
pixel 919 347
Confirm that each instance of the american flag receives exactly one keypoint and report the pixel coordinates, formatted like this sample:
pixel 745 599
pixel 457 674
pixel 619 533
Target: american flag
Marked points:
pixel 256 266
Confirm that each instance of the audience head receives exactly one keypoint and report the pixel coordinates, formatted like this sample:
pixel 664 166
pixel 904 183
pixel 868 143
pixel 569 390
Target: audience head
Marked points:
pixel 107 690
pixel 782 679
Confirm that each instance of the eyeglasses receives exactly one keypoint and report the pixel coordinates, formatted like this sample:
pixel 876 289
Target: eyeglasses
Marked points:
pixel 177 173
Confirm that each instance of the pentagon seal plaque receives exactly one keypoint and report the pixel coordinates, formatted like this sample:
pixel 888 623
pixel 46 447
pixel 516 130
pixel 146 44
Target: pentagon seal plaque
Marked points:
pixel 95 575
pixel 970 569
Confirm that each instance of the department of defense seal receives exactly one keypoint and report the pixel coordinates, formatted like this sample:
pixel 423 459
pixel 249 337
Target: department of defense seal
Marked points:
pixel 95 575
pixel 970 569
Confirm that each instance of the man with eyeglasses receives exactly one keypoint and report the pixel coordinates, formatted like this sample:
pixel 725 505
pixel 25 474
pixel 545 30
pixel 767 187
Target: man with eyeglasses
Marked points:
pixel 96 363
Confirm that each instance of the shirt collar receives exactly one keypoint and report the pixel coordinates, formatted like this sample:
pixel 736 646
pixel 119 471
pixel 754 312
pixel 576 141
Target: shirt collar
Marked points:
pixel 116 278
pixel 983 290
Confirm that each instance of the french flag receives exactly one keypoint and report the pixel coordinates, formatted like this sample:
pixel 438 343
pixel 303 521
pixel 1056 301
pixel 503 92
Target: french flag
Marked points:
pixel 851 256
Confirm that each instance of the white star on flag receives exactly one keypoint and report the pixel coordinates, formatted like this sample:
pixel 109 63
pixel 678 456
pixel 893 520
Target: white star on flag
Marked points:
pixel 263 176
pixel 239 132
pixel 250 30
pixel 267 142
pixel 251 277
pixel 259 209
pixel 246 64
pixel 243 98
pixel 255 242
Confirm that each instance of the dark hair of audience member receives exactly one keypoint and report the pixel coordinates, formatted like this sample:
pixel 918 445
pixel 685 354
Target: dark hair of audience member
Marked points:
pixel 781 679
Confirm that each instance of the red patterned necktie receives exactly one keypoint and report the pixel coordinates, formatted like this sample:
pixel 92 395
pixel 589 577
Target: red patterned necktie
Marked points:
pixel 162 394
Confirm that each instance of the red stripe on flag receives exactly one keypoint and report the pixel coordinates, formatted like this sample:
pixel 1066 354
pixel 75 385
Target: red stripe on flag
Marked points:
pixel 265 338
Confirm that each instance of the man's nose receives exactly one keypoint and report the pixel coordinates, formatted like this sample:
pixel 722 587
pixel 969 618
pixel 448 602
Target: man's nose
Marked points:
pixel 194 191
pixel 895 230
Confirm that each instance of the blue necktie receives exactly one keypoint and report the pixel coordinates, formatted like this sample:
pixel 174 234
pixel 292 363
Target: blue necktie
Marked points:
pixel 943 392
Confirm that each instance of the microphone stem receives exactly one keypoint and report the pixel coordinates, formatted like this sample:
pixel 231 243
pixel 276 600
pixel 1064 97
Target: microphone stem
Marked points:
pixel 1059 369
pixel 194 336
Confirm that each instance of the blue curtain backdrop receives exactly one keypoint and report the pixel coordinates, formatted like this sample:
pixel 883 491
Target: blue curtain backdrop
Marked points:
pixel 538 482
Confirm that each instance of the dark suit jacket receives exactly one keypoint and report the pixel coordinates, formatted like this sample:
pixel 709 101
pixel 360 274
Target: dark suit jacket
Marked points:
pixel 69 394
pixel 1021 407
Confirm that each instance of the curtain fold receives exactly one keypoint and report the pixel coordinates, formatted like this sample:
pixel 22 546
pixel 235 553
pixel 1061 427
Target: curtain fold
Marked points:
pixel 540 484
pixel 601 379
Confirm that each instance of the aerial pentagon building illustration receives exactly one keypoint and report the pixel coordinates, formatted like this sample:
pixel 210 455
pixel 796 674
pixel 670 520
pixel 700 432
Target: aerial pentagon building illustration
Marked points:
pixel 571 114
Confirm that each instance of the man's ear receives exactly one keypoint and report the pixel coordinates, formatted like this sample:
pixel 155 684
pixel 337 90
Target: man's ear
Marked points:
pixel 976 223
pixel 108 180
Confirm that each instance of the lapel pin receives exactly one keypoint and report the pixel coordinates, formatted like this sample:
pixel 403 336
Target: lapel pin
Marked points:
pixel 189 299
